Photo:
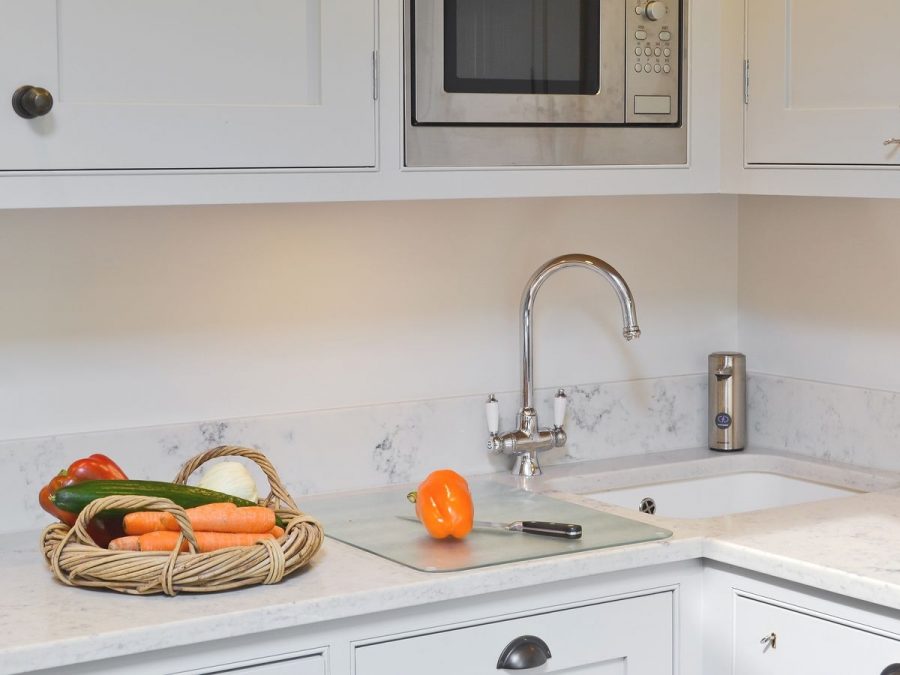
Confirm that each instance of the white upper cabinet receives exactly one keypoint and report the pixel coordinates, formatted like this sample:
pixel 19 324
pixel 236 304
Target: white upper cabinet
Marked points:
pixel 824 85
pixel 184 84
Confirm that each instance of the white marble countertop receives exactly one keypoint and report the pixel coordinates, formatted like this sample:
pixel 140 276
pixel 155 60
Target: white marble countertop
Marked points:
pixel 847 546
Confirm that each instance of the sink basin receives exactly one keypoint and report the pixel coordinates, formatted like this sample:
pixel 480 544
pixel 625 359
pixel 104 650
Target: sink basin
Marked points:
pixel 721 495
pixel 698 483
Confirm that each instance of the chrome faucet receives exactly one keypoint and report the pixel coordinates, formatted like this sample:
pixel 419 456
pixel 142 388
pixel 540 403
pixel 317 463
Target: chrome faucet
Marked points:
pixel 529 438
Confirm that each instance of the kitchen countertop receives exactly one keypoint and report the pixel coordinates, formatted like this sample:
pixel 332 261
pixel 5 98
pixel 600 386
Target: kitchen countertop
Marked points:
pixel 847 545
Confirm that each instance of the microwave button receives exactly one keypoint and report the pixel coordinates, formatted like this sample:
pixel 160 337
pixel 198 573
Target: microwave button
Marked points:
pixel 667 52
pixel 648 68
pixel 652 105
pixel 657 51
pixel 657 68
pixel 639 10
pixel 648 51
pixel 640 35
pixel 665 36
pixel 667 68
pixel 637 67
pixel 638 51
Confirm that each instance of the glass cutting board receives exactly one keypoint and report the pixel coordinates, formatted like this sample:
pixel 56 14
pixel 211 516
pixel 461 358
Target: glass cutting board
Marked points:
pixel 368 520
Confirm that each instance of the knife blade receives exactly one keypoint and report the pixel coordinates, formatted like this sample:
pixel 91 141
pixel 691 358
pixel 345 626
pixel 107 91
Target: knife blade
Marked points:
pixel 538 527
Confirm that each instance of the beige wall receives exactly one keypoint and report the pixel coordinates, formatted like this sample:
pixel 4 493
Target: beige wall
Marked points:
pixel 820 289
pixel 125 317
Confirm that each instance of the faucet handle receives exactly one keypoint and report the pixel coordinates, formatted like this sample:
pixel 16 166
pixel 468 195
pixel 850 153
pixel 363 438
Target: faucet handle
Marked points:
pixel 559 409
pixel 492 412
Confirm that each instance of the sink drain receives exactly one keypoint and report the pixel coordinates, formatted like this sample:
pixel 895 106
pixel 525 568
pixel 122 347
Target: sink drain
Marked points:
pixel 648 505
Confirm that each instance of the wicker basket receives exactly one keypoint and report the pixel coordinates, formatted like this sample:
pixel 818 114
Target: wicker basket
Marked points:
pixel 77 561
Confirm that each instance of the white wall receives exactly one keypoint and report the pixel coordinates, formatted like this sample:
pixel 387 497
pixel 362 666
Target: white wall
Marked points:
pixel 114 318
pixel 819 289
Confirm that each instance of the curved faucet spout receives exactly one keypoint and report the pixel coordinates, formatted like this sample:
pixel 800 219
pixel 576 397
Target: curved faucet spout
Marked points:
pixel 623 293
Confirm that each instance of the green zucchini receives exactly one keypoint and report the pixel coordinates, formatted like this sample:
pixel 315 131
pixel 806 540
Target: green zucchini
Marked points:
pixel 74 498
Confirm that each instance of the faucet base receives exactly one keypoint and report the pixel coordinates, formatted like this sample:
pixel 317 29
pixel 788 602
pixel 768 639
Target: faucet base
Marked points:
pixel 527 465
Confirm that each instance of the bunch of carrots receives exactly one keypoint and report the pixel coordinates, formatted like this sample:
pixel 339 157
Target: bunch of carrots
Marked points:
pixel 216 526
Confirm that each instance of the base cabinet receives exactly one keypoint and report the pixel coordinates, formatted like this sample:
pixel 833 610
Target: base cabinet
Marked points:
pixel 776 640
pixel 632 636
pixel 755 624
pixel 314 664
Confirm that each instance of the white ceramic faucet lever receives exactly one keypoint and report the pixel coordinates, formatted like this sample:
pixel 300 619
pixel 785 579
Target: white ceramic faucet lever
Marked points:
pixel 492 412
pixel 559 409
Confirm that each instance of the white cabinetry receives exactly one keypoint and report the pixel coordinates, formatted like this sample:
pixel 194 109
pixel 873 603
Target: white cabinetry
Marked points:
pixel 303 665
pixel 823 82
pixel 777 640
pixel 633 636
pixel 758 625
pixel 187 84
pixel 619 623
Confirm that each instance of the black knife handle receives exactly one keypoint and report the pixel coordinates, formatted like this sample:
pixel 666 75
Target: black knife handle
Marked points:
pixel 564 530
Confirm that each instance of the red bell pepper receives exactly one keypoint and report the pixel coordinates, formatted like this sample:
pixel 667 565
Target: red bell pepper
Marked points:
pixel 94 467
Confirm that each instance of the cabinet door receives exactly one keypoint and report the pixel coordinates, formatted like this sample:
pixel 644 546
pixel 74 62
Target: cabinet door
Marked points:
pixel 805 644
pixel 181 84
pixel 306 665
pixel 624 637
pixel 823 83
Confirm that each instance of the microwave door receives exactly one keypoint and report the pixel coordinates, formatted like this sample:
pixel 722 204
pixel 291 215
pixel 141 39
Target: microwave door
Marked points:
pixel 518 62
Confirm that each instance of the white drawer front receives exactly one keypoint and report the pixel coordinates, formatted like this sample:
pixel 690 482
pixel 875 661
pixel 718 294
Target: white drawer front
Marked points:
pixel 805 644
pixel 633 636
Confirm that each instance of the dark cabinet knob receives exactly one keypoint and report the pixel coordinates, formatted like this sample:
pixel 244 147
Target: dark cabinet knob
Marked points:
pixel 893 669
pixel 526 651
pixel 30 102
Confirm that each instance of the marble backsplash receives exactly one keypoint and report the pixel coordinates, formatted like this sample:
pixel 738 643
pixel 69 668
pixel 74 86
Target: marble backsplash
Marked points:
pixel 828 421
pixel 355 448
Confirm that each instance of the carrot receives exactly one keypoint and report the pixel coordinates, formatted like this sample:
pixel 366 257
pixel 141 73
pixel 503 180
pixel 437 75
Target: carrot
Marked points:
pixel 218 517
pixel 165 540
pixel 124 544
pixel 141 522
pixel 277 532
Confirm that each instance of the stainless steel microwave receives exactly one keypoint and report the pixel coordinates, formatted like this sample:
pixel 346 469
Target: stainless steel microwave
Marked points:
pixel 545 82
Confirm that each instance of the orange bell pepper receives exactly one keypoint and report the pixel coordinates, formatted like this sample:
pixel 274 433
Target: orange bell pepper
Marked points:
pixel 444 504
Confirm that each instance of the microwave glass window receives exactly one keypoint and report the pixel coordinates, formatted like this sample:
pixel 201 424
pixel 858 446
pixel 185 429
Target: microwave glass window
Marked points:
pixel 522 46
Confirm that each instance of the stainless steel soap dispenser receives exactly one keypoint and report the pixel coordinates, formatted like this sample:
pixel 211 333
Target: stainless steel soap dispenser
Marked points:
pixel 727 401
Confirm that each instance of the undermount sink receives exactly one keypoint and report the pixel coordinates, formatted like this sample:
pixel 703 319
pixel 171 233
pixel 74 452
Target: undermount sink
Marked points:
pixel 693 484
pixel 720 495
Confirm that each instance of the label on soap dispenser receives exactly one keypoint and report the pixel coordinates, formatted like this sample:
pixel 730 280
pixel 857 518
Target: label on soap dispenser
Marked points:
pixel 723 420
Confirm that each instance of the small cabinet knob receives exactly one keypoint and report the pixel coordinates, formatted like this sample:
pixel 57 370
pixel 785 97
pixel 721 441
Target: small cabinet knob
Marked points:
pixel 526 651
pixel 30 101
pixel 654 11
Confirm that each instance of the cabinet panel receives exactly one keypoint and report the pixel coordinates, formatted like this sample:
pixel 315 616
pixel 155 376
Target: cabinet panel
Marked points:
pixel 804 643
pixel 633 636
pixel 190 83
pixel 304 665
pixel 823 83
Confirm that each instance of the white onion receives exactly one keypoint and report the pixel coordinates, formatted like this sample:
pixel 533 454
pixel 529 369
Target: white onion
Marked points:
pixel 231 478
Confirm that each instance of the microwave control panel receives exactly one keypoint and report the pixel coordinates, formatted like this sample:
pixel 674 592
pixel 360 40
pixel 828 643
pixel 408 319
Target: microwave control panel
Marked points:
pixel 653 62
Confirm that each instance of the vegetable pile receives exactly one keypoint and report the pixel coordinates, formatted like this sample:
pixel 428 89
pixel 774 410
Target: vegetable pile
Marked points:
pixel 220 519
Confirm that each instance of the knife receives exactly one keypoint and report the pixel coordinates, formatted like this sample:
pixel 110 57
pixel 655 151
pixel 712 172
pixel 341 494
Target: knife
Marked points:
pixel 540 527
